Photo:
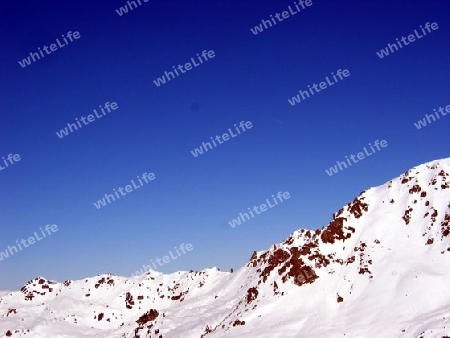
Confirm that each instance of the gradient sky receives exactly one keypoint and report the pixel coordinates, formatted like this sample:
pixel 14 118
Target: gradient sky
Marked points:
pixel 155 128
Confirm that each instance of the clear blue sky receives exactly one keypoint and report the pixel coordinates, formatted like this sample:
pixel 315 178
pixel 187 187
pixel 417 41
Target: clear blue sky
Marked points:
pixel 154 128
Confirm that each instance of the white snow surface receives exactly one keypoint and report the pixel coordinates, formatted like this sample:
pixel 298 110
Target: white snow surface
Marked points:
pixel 381 268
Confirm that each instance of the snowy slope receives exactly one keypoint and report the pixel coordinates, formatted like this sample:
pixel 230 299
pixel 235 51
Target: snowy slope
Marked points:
pixel 380 268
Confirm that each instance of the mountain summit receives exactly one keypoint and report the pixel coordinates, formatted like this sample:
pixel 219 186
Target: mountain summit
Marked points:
pixel 380 268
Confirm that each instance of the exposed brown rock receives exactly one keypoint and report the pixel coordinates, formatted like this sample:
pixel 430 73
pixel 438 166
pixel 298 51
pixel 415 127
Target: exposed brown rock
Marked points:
pixel 129 302
pixel 11 311
pixel 301 272
pixel 334 230
pixel 357 207
pixel 434 215
pixel 445 226
pixel 279 256
pixel 148 317
pixel 407 216
pixel 252 294
pixel 350 260
pixel 415 188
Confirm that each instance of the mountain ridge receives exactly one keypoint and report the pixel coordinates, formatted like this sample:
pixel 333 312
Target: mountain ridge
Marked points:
pixel 366 274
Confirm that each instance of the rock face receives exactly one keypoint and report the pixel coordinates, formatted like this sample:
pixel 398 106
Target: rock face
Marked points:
pixel 380 268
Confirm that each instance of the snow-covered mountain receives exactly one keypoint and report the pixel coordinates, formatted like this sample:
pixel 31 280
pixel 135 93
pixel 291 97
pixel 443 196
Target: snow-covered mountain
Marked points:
pixel 380 268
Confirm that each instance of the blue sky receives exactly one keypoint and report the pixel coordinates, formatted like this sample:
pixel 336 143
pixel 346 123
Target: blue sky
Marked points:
pixel 154 129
